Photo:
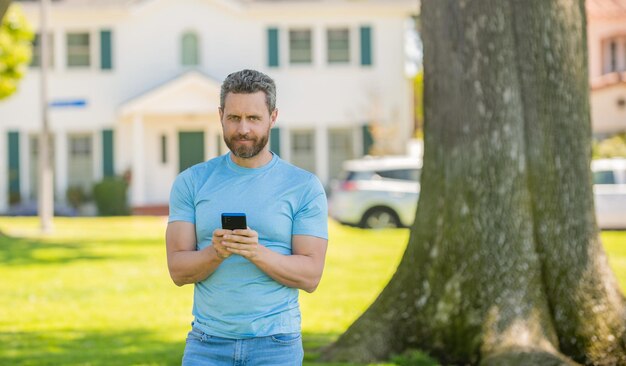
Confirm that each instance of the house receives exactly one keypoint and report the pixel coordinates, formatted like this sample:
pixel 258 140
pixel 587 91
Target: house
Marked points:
pixel 134 87
pixel 606 37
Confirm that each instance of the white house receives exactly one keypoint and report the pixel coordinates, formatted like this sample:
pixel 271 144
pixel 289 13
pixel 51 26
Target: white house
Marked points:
pixel 606 37
pixel 134 87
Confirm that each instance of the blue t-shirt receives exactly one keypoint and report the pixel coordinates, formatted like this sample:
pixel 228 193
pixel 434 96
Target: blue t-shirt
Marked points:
pixel 238 300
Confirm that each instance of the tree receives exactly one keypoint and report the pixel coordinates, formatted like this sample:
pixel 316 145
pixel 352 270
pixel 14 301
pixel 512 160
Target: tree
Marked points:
pixel 504 265
pixel 15 48
pixel 4 5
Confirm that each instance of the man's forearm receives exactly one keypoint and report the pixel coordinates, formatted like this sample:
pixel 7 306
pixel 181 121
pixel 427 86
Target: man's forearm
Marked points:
pixel 192 266
pixel 298 271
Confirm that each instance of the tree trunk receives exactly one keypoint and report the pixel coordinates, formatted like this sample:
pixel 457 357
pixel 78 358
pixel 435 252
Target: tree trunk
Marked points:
pixel 4 5
pixel 504 265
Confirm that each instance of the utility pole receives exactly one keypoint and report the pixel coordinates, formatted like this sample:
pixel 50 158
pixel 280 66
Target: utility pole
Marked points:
pixel 46 195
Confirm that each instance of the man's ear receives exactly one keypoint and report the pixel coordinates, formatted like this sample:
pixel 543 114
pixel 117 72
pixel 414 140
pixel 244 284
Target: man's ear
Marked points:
pixel 273 117
pixel 221 111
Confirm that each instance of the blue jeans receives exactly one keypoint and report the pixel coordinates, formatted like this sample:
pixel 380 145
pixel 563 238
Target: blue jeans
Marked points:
pixel 276 350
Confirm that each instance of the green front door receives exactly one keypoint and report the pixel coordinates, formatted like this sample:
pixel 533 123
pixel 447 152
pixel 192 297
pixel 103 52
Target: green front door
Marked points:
pixel 190 149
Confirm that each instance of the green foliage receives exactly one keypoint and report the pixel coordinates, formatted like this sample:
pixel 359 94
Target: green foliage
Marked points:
pixel 76 196
pixel 15 49
pixel 418 98
pixel 414 358
pixel 612 147
pixel 110 197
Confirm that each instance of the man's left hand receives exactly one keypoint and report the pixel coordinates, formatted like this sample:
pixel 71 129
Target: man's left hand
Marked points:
pixel 244 242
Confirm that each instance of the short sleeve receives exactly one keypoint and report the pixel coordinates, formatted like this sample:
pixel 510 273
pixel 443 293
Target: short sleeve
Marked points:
pixel 182 207
pixel 312 216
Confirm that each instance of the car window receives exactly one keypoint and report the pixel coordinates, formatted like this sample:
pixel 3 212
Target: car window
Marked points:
pixel 402 174
pixel 604 177
pixel 361 175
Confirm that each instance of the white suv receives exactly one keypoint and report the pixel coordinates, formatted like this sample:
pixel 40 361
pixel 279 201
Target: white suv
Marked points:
pixel 383 192
pixel 609 178
pixel 376 192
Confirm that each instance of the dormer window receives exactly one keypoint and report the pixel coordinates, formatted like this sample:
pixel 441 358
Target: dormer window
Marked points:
pixel 190 53
pixel 614 54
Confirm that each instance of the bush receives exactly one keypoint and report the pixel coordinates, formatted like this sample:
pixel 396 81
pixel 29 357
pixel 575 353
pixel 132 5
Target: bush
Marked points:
pixel 110 197
pixel 76 196
pixel 612 147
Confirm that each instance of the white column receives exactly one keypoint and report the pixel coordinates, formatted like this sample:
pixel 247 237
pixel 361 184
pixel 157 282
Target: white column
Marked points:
pixel 96 155
pixel 138 193
pixel 4 171
pixel 61 158
pixel 321 153
pixel 212 141
pixel 209 141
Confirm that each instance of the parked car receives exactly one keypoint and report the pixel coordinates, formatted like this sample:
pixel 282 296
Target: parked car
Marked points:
pixel 609 178
pixel 376 192
pixel 383 192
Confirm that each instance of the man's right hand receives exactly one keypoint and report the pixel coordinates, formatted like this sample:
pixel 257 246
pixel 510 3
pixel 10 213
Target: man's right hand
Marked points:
pixel 220 250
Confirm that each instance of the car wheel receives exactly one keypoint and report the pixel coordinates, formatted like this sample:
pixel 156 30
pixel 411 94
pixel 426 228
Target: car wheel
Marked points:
pixel 380 218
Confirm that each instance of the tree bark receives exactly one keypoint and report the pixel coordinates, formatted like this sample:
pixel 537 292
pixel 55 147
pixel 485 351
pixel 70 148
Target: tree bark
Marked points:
pixel 4 5
pixel 504 265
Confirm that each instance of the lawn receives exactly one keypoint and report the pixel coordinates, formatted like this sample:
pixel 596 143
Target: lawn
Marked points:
pixel 97 291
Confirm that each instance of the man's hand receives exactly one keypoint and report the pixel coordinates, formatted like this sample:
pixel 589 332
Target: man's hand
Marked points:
pixel 244 242
pixel 218 239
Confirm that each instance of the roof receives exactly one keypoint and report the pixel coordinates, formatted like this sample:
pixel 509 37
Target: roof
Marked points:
pixel 606 8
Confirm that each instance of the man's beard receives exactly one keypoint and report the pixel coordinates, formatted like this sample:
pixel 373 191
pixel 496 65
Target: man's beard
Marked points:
pixel 243 151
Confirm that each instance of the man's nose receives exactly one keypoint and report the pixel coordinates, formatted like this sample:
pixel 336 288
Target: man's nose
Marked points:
pixel 243 127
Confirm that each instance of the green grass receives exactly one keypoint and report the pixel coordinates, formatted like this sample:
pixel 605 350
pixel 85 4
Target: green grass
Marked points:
pixel 97 291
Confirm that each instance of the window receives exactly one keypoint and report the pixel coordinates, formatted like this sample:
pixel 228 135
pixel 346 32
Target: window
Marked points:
pixel 338 46
pixel 78 50
pixel 190 52
pixel 80 146
pixel 604 177
pixel 614 54
pixel 300 46
pixel 303 149
pixel 340 149
pixel 401 174
pixel 80 161
pixel 36 59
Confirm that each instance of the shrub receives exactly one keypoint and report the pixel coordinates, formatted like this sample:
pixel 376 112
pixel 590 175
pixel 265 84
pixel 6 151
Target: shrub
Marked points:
pixel 76 196
pixel 110 197
pixel 614 146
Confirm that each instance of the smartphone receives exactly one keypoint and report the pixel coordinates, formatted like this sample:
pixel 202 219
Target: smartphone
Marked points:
pixel 233 221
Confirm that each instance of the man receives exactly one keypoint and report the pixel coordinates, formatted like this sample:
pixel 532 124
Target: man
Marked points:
pixel 246 309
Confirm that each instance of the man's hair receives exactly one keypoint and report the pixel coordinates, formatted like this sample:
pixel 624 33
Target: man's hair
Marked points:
pixel 248 82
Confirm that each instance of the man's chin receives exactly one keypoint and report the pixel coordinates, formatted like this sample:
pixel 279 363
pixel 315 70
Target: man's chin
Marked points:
pixel 245 153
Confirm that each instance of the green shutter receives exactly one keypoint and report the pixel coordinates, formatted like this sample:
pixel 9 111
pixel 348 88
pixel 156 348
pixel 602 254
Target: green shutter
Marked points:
pixel 272 47
pixel 366 46
pixel 275 140
pixel 14 167
pixel 368 139
pixel 108 169
pixel 106 51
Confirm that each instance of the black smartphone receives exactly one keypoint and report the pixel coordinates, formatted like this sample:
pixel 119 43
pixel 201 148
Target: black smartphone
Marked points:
pixel 233 221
